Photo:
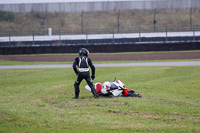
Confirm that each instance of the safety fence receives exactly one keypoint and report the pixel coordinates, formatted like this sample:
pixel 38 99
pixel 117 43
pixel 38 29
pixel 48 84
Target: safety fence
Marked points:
pixel 98 37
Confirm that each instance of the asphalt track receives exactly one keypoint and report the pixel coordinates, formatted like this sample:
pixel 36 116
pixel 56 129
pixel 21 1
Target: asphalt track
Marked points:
pixel 176 63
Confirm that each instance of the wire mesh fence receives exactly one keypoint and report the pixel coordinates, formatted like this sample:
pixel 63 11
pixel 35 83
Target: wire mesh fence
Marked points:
pixel 112 27
pixel 108 36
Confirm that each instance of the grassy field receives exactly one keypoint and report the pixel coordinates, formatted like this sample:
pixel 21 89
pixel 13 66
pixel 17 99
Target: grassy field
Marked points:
pixel 40 100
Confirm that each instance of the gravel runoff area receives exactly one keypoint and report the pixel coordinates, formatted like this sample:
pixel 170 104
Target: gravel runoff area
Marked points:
pixel 106 57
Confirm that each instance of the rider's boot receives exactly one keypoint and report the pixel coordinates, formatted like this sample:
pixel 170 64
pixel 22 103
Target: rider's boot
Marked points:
pixel 76 96
pixel 76 86
pixel 94 93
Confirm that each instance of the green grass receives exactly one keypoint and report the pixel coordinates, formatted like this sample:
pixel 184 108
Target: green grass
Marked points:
pixel 40 100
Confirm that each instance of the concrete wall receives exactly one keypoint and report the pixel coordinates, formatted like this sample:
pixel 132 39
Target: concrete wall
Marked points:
pixel 101 6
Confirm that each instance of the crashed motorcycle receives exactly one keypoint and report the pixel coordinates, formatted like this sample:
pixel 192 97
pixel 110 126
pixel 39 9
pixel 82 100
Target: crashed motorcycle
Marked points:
pixel 113 89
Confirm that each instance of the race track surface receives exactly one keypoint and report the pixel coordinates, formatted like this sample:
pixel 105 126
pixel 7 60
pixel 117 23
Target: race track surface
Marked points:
pixel 176 63
pixel 106 57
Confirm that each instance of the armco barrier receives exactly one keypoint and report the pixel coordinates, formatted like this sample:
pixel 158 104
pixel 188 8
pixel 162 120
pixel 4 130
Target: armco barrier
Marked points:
pixel 100 48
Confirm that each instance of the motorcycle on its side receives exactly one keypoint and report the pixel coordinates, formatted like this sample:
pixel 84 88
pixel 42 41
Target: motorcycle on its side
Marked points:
pixel 113 89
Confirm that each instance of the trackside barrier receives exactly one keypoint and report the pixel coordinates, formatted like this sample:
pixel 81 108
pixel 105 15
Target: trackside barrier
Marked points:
pixel 96 37
pixel 100 48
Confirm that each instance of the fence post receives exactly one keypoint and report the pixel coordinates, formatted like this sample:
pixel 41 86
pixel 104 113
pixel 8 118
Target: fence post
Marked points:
pixel 166 33
pixel 46 31
pixel 139 34
pixel 9 27
pixel 193 32
pixel 113 35
pixel 86 32
pixel 154 20
pixel 33 37
pixel 191 18
pixel 82 22
pixel 9 36
pixel 59 36
pixel 118 23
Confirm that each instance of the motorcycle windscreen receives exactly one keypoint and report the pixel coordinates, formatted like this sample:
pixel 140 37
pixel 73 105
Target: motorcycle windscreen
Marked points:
pixel 115 90
pixel 113 86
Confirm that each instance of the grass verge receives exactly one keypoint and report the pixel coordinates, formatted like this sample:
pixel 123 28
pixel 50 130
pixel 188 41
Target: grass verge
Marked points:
pixel 39 100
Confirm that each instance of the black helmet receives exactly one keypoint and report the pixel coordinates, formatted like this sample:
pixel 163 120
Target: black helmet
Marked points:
pixel 83 51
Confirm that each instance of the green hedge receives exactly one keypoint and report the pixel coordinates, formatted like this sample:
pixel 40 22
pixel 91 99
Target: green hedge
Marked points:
pixel 5 16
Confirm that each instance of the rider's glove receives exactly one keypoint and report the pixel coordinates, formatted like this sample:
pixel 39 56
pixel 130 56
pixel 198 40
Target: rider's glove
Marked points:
pixel 92 77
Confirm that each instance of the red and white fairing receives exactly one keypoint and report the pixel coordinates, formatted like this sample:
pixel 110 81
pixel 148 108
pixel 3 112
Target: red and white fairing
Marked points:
pixel 106 88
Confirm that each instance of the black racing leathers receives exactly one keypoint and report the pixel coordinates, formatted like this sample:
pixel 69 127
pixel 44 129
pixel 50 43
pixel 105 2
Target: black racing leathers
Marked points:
pixel 81 68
